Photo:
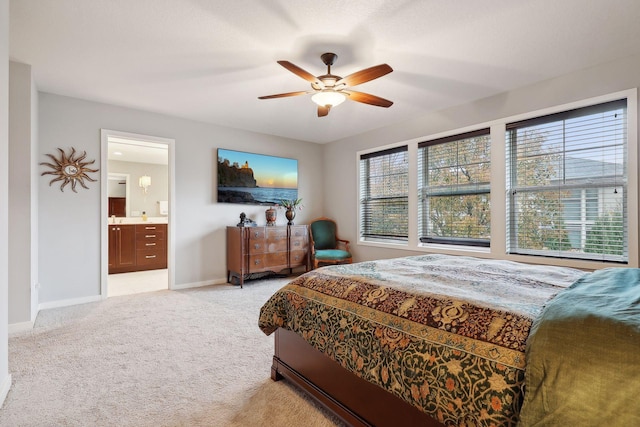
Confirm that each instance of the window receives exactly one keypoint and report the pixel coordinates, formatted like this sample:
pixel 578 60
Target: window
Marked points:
pixel 384 190
pixel 453 186
pixel 567 184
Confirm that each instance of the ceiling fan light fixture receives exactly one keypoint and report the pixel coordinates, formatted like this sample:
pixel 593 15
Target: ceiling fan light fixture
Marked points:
pixel 328 97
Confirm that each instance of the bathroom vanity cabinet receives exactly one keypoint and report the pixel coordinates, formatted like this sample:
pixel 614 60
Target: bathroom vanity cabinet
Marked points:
pixel 136 247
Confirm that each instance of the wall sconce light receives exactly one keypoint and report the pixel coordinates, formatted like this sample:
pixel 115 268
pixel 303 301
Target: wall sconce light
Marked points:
pixel 144 182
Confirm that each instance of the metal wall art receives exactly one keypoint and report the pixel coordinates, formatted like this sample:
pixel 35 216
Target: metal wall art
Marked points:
pixel 69 169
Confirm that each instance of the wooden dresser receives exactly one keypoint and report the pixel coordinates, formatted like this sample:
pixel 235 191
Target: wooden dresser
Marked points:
pixel 269 248
pixel 136 247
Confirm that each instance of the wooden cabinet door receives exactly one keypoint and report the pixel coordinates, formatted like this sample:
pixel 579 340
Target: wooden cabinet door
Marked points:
pixel 127 246
pixel 113 247
pixel 122 248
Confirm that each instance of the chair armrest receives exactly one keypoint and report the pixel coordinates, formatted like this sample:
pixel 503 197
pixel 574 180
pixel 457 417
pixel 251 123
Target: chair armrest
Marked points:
pixel 344 242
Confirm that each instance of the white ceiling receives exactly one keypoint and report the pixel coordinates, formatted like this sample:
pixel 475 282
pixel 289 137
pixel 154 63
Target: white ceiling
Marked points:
pixel 209 60
pixel 130 150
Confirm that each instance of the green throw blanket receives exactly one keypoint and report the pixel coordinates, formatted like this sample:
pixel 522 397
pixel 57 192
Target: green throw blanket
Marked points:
pixel 583 355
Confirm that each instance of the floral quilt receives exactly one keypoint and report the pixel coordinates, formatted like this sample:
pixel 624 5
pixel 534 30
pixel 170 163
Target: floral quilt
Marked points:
pixel 445 333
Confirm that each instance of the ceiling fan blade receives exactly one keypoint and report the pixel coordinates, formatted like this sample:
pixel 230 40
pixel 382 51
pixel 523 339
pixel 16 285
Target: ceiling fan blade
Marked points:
pixel 365 75
pixel 367 98
pixel 283 95
pixel 302 73
pixel 323 111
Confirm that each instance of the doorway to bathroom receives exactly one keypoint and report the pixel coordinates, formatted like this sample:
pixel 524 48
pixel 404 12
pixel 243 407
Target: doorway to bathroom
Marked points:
pixel 137 226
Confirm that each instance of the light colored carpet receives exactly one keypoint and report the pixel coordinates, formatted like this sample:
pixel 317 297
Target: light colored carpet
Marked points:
pixel 167 358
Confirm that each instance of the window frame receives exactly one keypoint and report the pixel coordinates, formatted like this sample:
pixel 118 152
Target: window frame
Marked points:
pixel 516 189
pixel 498 190
pixel 363 223
pixel 423 184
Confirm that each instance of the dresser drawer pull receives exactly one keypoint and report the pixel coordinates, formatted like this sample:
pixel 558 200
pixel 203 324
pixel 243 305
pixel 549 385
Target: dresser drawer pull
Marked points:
pixel 150 256
pixel 256 262
pixel 256 246
pixel 149 236
pixel 149 228
pixel 296 243
pixel 149 244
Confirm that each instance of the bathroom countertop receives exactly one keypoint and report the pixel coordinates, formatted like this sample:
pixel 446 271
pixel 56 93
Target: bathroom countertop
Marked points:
pixel 137 220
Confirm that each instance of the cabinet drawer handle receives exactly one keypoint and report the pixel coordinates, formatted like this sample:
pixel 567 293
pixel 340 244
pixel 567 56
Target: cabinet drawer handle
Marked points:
pixel 256 262
pixel 256 246
pixel 149 228
pixel 296 243
pixel 149 244
pixel 257 234
pixel 148 236
pixel 150 256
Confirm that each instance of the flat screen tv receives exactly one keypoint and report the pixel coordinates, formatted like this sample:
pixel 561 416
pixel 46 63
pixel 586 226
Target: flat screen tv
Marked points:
pixel 255 179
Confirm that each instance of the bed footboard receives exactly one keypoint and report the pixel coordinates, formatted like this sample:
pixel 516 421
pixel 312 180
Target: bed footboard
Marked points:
pixel 354 400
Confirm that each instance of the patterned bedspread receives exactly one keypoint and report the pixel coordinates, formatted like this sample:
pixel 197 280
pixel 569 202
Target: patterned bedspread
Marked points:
pixel 446 334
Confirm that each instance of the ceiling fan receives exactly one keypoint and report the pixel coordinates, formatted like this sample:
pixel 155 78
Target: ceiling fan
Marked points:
pixel 330 90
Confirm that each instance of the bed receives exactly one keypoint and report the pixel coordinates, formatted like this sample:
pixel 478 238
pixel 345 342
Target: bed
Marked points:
pixel 438 340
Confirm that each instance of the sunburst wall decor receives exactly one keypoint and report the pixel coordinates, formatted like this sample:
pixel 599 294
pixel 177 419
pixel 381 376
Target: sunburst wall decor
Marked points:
pixel 69 169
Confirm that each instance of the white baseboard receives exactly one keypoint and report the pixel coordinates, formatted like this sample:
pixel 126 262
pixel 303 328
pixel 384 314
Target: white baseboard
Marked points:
pixel 20 327
pixel 4 390
pixel 68 302
pixel 180 286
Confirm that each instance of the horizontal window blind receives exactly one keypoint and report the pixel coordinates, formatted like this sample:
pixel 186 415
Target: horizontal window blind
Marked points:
pixel 567 184
pixel 384 190
pixel 454 185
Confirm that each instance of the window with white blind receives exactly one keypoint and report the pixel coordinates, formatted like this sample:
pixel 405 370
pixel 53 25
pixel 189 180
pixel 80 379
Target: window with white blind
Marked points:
pixel 453 189
pixel 567 184
pixel 384 191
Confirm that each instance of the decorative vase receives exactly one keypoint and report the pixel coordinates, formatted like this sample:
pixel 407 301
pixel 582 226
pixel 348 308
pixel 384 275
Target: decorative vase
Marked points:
pixel 290 214
pixel 271 215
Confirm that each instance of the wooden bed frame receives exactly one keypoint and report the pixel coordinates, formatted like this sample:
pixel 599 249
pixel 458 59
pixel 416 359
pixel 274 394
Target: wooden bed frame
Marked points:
pixel 354 400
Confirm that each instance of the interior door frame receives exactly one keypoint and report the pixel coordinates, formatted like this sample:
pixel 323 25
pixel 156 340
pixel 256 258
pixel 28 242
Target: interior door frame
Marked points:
pixel 104 203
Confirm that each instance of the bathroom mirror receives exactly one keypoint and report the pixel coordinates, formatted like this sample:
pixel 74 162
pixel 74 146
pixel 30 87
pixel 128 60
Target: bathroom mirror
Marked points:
pixel 118 193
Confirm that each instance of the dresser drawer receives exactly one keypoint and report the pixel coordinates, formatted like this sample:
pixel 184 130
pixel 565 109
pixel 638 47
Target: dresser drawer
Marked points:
pixel 256 233
pixel 298 231
pixel 277 260
pixel 256 247
pixel 255 241
pixel 148 257
pixel 255 263
pixel 298 258
pixel 148 228
pixel 150 234
pixel 299 244
pixel 276 240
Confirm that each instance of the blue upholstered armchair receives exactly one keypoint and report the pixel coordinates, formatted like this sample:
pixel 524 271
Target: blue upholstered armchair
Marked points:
pixel 326 247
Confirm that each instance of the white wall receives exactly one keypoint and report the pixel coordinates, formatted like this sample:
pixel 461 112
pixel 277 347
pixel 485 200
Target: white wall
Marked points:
pixel 5 378
pixel 22 196
pixel 341 189
pixel 69 223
